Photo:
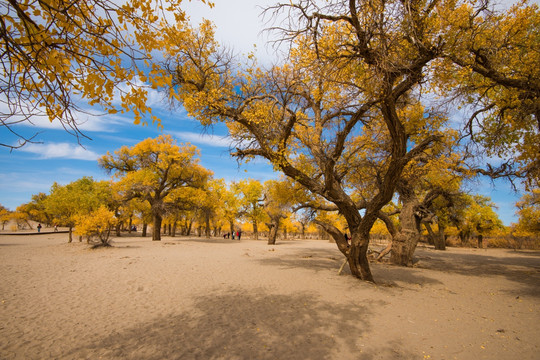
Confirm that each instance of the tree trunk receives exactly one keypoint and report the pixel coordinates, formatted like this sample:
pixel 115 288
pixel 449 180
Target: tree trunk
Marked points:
pixel 156 231
pixel 255 230
pixel 404 244
pixel 440 239
pixel 464 236
pixel 70 237
pixel 432 237
pixel 117 229
pixel 207 223
pixel 272 236
pixel 130 224
pixel 431 234
pixel 479 238
pixel 188 227
pixel 231 227
pixel 144 229
pixel 357 257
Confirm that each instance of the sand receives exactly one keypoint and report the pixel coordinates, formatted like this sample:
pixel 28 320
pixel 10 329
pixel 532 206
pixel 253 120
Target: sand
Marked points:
pixel 196 298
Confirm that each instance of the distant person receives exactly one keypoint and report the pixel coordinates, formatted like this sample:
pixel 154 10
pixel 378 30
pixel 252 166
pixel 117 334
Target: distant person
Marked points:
pixel 39 228
pixel 233 235
pixel 55 228
pixel 239 234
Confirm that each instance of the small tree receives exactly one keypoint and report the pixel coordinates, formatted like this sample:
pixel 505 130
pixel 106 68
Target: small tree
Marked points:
pixel 5 216
pixel 480 218
pixel 96 226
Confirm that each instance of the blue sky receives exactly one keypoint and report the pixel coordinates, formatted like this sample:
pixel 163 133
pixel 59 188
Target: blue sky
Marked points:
pixel 35 167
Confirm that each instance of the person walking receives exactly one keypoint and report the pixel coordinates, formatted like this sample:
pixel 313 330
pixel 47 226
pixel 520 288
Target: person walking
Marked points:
pixel 39 228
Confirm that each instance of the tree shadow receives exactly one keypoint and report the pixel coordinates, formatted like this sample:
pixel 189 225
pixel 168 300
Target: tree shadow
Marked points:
pixel 241 325
pixel 331 260
pixel 398 276
pixel 312 259
pixel 522 268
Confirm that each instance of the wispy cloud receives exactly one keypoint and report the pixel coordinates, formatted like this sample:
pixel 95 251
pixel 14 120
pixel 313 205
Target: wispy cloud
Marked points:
pixel 60 150
pixel 202 139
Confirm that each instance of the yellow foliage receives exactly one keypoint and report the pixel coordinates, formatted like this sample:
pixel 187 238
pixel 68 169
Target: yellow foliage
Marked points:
pixel 89 48
pixel 96 224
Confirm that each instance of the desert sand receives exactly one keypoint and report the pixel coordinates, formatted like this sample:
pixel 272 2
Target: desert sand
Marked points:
pixel 197 298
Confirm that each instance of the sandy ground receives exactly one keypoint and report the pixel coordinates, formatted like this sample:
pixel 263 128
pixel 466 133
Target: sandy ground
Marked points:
pixel 193 298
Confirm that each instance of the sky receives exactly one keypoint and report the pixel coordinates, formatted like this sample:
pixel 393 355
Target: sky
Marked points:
pixel 62 158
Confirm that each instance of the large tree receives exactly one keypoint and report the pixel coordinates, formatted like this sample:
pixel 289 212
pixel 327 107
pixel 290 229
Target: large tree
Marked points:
pixel 353 67
pixel 152 170
pixel 305 117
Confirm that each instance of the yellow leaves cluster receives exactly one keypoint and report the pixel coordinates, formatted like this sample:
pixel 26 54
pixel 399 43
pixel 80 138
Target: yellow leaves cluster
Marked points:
pixel 529 214
pixel 88 48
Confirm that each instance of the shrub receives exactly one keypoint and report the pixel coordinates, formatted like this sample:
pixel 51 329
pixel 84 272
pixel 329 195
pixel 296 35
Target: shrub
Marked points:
pixel 96 226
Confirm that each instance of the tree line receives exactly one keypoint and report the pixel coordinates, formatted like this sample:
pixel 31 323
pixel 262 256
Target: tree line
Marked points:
pixel 161 183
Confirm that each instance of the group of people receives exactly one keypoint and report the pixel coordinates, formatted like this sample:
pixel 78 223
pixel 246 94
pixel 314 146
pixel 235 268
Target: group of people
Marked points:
pixel 235 234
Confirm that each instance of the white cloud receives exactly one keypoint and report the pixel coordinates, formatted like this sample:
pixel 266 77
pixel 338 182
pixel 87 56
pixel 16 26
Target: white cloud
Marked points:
pixel 241 34
pixel 60 150
pixel 202 139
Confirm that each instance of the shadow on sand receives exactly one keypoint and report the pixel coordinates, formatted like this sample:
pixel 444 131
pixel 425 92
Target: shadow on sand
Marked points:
pixel 243 325
pixel 519 267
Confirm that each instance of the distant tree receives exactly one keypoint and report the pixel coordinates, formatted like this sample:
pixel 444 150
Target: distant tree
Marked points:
pixel 36 209
pixel 231 206
pixel 78 198
pixel 5 216
pixel 152 170
pixel 251 192
pixel 479 219
pixel 278 202
pixel 529 213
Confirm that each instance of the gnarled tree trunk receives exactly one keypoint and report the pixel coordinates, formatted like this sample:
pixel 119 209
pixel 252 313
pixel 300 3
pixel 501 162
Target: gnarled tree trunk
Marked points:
pixel 272 235
pixel 355 251
pixel 404 243
pixel 439 240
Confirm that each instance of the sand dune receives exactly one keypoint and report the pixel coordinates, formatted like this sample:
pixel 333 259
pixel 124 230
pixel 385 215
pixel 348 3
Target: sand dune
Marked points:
pixel 195 298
